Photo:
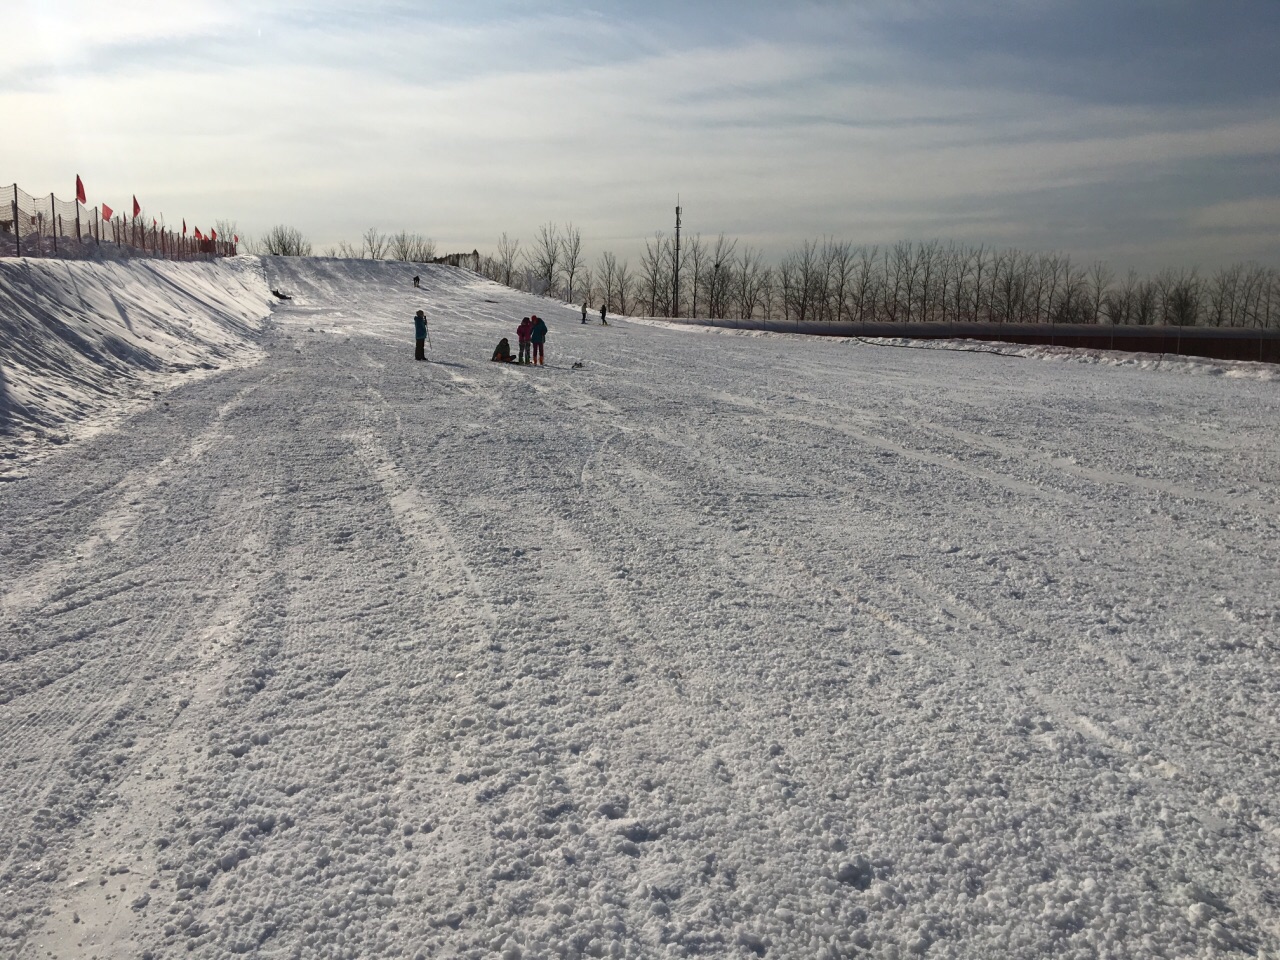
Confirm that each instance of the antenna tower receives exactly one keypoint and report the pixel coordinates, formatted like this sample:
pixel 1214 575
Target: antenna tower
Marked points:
pixel 675 271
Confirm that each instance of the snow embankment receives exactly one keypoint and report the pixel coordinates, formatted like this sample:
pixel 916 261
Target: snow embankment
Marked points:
pixel 82 340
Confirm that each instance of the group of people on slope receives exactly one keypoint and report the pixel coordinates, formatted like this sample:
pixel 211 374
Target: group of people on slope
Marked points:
pixel 531 335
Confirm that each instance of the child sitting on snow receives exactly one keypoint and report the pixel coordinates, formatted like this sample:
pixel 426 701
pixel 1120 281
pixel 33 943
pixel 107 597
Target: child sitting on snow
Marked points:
pixel 503 352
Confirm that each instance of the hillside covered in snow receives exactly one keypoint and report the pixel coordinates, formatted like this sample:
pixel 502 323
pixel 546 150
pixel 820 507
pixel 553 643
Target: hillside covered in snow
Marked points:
pixel 715 645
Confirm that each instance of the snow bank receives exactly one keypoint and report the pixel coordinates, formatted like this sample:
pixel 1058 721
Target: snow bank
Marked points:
pixel 83 339
pixel 1196 366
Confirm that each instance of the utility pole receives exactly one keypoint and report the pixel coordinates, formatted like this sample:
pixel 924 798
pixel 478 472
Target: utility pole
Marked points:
pixel 675 269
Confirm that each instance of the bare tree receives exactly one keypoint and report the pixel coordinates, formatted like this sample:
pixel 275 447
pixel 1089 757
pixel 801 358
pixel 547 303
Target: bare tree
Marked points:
pixel 927 258
pixel 545 257
pixel 1182 295
pixel 1145 303
pixel 227 230
pixel 1049 267
pixel 626 284
pixel 768 291
pixel 1271 308
pixel 375 243
pixel 655 281
pixel 571 248
pixel 839 266
pixel 1119 305
pixel 891 289
pixel 1071 294
pixel 508 254
pixel 1100 279
pixel 1255 295
pixel 749 282
pixel 720 278
pixel 1224 296
pixel 959 291
pixel 607 271
pixel 424 249
pixel 981 263
pixel 282 241
pixel 402 246
pixel 786 275
pixel 906 257
pixel 695 258
pixel 864 285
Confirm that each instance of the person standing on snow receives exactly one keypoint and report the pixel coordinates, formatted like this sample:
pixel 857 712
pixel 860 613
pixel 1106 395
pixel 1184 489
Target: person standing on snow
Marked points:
pixel 538 336
pixel 420 335
pixel 584 311
pixel 602 319
pixel 522 337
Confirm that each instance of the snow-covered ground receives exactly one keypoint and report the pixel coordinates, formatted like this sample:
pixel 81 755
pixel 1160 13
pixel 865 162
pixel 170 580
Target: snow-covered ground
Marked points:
pixel 719 645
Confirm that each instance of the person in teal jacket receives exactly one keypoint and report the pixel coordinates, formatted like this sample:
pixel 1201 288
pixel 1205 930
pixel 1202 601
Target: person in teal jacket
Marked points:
pixel 537 337
pixel 420 334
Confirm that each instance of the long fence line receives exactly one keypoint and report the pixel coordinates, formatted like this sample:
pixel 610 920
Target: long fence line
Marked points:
pixel 1219 343
pixel 48 227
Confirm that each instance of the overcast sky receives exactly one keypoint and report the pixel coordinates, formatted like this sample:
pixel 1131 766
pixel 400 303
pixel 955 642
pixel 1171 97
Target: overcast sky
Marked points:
pixel 1144 132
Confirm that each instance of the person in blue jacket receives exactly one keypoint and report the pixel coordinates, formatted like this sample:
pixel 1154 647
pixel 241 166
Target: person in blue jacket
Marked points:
pixel 538 336
pixel 420 334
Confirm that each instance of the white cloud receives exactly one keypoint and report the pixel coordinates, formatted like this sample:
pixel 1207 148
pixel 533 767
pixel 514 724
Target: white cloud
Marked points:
pixel 1258 213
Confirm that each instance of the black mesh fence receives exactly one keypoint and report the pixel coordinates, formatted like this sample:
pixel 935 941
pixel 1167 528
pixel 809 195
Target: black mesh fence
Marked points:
pixel 48 227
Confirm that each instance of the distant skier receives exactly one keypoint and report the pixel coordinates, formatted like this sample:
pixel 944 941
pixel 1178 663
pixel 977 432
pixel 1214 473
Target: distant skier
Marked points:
pixel 602 315
pixel 584 311
pixel 416 281
pixel 502 354
pixel 522 336
pixel 537 337
pixel 420 335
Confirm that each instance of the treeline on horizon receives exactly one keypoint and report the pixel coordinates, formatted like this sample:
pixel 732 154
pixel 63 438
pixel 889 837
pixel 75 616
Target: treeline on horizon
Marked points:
pixel 834 280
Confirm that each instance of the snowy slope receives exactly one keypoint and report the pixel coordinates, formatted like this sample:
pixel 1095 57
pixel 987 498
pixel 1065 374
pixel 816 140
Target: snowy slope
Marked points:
pixel 717 646
pixel 84 341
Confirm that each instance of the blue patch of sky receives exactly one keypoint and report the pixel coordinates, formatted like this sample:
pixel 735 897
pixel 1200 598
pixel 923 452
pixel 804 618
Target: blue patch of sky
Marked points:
pixel 1155 52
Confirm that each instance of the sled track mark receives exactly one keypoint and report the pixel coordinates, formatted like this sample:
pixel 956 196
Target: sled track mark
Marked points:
pixel 53 578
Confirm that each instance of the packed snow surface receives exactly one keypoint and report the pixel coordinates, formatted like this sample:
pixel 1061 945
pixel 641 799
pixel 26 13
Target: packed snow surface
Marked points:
pixel 715 646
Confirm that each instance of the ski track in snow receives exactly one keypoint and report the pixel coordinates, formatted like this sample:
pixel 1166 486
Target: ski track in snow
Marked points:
pixel 719 646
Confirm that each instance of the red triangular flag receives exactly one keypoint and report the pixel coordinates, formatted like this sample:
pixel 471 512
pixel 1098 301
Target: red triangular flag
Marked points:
pixel 197 233
pixel 235 238
pixel 154 223
pixel 213 234
pixel 136 209
pixel 80 189
pixel 184 226
pixel 106 212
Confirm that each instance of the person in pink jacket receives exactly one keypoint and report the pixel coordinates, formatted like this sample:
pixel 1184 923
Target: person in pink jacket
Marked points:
pixel 523 333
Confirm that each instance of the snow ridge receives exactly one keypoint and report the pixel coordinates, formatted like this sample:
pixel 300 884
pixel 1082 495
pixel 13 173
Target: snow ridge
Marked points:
pixel 82 339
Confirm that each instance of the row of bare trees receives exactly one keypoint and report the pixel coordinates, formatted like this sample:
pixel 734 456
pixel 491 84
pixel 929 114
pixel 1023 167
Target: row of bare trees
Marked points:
pixel 376 245
pixel 831 280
